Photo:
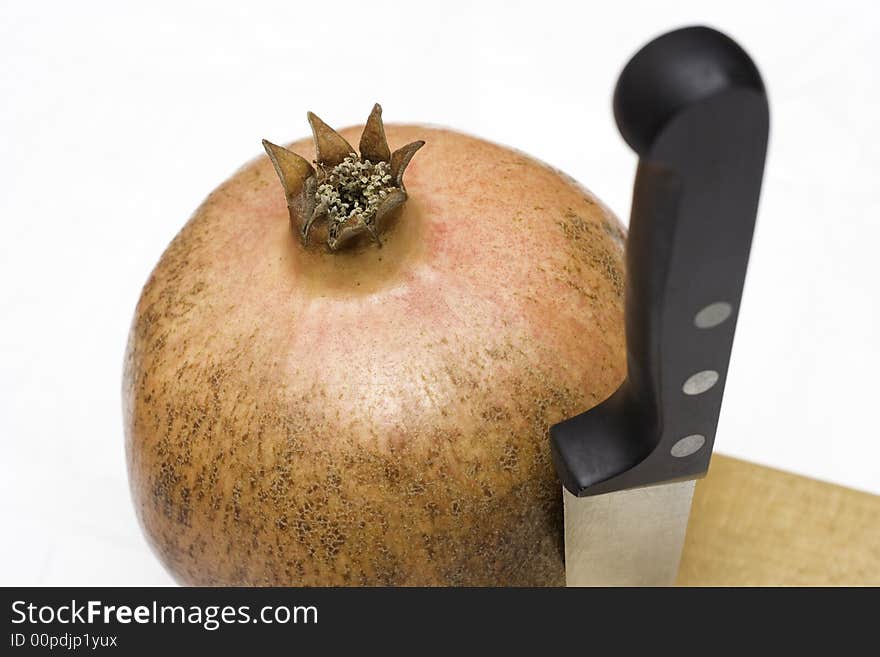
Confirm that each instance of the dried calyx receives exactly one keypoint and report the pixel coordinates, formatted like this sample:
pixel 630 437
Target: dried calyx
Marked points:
pixel 353 194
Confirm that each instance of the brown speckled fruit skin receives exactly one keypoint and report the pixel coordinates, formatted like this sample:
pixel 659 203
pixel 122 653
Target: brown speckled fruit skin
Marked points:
pixel 379 417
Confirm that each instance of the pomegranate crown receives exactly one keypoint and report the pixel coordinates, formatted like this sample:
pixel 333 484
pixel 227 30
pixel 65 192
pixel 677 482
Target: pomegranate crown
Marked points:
pixel 353 194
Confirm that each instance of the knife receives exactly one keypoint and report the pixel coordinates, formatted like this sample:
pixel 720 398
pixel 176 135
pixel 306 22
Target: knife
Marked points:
pixel 691 103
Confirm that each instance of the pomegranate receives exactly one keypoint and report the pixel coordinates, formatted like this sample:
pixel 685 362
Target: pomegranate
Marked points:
pixel 323 386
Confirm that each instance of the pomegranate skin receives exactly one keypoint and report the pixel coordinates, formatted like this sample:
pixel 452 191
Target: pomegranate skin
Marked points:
pixel 376 416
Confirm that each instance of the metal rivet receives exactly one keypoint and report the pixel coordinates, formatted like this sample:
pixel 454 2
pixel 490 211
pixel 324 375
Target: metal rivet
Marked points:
pixel 688 445
pixel 713 315
pixel 700 382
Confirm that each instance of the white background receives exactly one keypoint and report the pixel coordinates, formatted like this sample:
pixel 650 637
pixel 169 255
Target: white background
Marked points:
pixel 116 121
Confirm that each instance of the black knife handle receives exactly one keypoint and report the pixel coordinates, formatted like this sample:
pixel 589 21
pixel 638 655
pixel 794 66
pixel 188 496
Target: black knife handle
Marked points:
pixel 692 105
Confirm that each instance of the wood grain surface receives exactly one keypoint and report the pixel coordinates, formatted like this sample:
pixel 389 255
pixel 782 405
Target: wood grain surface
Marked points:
pixel 756 526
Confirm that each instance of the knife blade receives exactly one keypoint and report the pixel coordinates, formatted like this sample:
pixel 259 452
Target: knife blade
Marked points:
pixel 693 106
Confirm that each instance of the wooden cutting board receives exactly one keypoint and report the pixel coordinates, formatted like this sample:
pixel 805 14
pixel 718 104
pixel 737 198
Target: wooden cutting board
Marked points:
pixel 756 526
